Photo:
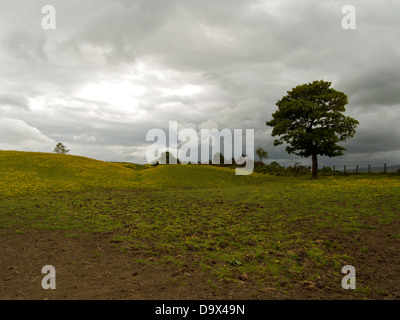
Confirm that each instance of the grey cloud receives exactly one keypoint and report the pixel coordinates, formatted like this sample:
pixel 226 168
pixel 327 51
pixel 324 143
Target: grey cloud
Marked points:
pixel 16 134
pixel 14 100
pixel 376 86
pixel 244 55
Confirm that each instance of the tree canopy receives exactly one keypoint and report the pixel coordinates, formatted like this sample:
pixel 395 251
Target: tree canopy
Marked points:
pixel 261 153
pixel 311 122
pixel 60 148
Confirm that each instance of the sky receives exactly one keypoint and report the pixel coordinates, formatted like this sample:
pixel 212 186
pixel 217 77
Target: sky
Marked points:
pixel 112 70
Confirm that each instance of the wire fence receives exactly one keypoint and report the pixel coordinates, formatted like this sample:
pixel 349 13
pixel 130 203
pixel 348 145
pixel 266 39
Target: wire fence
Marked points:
pixel 384 168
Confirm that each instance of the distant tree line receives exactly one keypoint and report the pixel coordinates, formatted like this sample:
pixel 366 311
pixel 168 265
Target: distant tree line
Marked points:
pixel 260 166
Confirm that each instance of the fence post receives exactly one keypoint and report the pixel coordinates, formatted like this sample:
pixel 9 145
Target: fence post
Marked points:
pixel 384 170
pixel 369 169
pixel 357 169
pixel 334 169
pixel 344 171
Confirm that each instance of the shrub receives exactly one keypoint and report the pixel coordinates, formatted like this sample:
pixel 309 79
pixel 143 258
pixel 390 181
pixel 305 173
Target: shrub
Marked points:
pixel 326 170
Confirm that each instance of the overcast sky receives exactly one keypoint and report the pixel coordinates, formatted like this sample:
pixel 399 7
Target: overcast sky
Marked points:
pixel 113 70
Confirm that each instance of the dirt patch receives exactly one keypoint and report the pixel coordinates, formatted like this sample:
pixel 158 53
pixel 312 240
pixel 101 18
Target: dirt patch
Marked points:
pixel 90 266
pixel 376 258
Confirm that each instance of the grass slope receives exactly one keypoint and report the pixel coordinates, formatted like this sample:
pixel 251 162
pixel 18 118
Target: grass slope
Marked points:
pixel 266 230
pixel 33 173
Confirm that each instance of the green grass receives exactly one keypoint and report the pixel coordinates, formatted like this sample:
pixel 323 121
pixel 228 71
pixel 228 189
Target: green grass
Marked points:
pixel 265 226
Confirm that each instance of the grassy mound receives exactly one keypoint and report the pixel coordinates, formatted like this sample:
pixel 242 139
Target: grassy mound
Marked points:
pixel 35 173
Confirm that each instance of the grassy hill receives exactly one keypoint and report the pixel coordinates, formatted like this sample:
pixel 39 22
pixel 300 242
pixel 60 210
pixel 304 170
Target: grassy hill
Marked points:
pixel 34 173
pixel 266 230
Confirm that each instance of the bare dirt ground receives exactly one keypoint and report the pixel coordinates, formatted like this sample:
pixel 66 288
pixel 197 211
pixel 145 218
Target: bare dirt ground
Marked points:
pixel 90 267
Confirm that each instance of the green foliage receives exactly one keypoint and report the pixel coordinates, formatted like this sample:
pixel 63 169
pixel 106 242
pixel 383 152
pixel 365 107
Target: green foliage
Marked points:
pixel 326 170
pixel 60 148
pixel 261 153
pixel 218 158
pixel 297 169
pixel 276 169
pixel 272 168
pixel 167 158
pixel 310 120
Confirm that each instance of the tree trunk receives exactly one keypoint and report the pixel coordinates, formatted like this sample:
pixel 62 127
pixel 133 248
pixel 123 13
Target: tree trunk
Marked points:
pixel 314 170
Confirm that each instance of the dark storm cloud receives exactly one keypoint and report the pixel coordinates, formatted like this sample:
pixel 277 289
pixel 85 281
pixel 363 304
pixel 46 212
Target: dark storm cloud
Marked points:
pixel 376 85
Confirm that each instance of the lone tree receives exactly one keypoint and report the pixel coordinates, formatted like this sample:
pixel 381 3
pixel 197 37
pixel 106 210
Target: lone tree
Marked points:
pixel 261 153
pixel 167 158
pixel 310 120
pixel 60 148
pixel 218 158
